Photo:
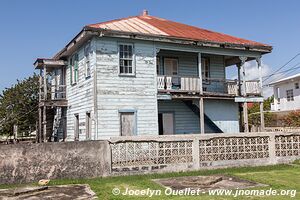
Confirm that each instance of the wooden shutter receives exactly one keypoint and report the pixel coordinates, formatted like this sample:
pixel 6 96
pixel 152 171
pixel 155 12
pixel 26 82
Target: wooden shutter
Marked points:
pixel 127 123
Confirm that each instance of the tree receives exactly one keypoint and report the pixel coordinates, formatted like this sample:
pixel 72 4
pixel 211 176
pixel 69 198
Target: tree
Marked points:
pixel 19 106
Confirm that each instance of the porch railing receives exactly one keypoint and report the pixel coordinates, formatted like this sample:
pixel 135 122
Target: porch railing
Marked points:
pixel 54 92
pixel 210 85
pixel 252 87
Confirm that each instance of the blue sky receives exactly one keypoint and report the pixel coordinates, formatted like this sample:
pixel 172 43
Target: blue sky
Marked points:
pixel 35 28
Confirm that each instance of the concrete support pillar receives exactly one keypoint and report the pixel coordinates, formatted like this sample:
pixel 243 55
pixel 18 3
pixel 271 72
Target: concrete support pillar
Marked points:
pixel 261 104
pixel 201 106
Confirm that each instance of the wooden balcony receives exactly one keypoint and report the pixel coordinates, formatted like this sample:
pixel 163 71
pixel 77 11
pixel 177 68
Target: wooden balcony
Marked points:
pixel 210 86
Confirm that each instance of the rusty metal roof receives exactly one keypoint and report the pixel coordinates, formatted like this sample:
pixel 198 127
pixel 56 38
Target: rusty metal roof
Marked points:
pixel 155 26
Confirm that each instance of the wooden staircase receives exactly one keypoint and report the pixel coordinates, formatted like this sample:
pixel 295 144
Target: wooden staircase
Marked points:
pixel 207 121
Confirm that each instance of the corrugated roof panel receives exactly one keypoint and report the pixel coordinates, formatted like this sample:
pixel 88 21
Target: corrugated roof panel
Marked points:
pixel 146 24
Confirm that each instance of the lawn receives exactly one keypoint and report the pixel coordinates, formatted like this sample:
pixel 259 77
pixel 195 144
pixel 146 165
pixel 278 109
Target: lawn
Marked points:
pixel 278 177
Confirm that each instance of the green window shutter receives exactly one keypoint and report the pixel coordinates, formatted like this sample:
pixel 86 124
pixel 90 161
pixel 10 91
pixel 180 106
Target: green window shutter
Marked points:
pixel 70 68
pixel 76 67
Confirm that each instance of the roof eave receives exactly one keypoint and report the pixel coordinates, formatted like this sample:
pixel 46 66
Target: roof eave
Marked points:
pixel 162 38
pixel 87 32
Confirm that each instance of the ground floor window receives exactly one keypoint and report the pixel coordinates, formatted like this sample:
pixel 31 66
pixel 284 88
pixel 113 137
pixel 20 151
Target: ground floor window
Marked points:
pixel 128 123
pixel 290 95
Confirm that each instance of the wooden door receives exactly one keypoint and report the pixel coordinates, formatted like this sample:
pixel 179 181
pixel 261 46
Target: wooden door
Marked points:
pixel 76 127
pixel 171 66
pixel 127 123
pixel 168 123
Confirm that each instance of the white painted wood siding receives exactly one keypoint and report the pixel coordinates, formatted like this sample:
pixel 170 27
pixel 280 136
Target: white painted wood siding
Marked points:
pixel 80 96
pixel 117 93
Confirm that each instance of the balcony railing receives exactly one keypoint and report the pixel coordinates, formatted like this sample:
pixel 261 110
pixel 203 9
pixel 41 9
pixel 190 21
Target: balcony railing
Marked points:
pixel 54 92
pixel 210 85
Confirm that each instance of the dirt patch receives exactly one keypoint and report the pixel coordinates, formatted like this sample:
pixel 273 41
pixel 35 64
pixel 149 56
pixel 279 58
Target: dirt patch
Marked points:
pixel 63 192
pixel 205 183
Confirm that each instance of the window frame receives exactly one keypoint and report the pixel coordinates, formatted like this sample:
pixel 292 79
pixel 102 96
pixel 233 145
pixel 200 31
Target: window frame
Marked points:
pixel 87 51
pixel 133 73
pixel 290 97
pixel 74 68
pixel 296 84
pixel 76 127
pixel 88 125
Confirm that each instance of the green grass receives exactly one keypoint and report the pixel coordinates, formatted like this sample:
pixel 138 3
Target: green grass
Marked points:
pixel 277 177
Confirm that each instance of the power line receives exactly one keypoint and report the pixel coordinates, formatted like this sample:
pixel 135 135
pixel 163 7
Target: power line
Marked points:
pixel 284 73
pixel 283 65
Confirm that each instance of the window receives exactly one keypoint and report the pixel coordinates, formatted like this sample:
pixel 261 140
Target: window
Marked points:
pixel 128 123
pixel 88 125
pixel 289 95
pixel 73 64
pixel 297 85
pixel 87 50
pixel 76 127
pixel 205 68
pixel 126 59
pixel 171 66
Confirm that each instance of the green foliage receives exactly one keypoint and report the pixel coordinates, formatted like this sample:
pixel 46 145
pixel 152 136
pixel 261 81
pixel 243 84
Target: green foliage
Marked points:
pixel 254 115
pixel 267 105
pixel 292 119
pixel 19 106
pixel 270 119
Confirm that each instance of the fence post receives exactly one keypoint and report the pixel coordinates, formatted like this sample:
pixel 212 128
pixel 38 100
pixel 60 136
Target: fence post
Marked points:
pixel 195 154
pixel 272 148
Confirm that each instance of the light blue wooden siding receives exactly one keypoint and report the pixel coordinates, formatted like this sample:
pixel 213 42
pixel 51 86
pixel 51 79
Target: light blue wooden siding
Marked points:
pixel 187 62
pixel 80 95
pixel 115 93
pixel 224 113
pixel 185 120
pixel 217 71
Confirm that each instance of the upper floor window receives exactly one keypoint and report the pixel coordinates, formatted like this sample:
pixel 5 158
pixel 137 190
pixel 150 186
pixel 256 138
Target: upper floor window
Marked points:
pixel 126 59
pixel 87 51
pixel 205 68
pixel 297 85
pixel 73 64
pixel 290 95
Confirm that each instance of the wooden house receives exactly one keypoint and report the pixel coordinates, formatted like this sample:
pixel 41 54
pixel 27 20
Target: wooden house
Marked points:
pixel 145 75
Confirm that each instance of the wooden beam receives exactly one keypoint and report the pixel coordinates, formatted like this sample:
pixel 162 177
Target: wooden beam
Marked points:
pixel 245 104
pixel 40 125
pixel 245 112
pixel 44 124
pixel 261 105
pixel 201 106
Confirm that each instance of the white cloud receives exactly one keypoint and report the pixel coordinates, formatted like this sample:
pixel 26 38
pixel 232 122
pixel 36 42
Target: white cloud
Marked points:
pixel 252 73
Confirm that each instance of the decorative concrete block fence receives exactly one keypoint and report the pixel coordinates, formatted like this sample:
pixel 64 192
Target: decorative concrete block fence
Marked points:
pixel 143 154
pixel 194 152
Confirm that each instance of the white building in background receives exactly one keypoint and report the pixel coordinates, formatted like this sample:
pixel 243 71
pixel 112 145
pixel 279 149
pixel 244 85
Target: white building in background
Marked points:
pixel 286 94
